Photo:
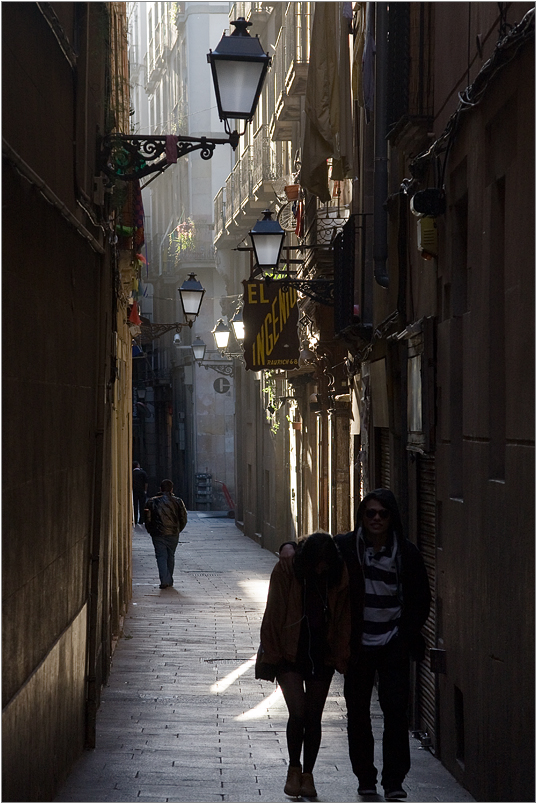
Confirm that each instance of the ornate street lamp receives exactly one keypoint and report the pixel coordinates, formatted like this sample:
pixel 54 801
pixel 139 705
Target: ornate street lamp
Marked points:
pixel 220 366
pixel 198 348
pixel 239 66
pixel 191 293
pixel 238 325
pixel 221 334
pixel 267 238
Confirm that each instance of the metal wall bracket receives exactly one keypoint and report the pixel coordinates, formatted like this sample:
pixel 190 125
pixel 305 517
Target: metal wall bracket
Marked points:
pixel 320 290
pixel 151 331
pixel 220 368
pixel 132 156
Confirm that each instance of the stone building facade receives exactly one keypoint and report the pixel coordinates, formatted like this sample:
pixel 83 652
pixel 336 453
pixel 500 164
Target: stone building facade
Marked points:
pixel 420 376
pixel 66 554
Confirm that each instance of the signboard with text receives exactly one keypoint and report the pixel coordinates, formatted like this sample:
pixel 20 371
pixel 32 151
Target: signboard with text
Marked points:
pixel 270 316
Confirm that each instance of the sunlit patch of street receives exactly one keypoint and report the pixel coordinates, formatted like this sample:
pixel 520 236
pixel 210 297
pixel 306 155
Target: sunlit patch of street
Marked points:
pixel 228 680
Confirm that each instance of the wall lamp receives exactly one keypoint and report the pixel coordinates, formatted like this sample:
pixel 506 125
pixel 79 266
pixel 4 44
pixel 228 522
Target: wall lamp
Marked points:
pixel 221 334
pixel 238 325
pixel 191 294
pixel 199 347
pixel 239 66
pixel 267 238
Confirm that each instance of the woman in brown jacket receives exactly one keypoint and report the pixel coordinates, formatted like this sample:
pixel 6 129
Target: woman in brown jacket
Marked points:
pixel 305 635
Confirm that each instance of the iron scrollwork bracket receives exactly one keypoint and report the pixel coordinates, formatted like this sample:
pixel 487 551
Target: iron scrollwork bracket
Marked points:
pixel 220 368
pixel 131 156
pixel 320 290
pixel 151 331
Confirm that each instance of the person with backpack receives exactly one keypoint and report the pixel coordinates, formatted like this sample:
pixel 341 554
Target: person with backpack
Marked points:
pixel 165 518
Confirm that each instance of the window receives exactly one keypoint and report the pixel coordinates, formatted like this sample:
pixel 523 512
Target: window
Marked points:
pixel 421 388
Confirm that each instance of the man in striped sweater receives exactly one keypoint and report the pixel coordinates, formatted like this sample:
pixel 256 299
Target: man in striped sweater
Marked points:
pixel 390 600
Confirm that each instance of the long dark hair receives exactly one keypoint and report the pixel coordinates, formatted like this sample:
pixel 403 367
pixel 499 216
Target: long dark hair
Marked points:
pixel 317 547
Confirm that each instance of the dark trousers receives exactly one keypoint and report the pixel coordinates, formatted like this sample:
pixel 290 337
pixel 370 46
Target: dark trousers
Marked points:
pixel 138 500
pixel 391 662
pixel 165 547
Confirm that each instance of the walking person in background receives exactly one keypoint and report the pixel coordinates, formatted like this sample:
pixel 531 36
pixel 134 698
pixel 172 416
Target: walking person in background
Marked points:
pixel 390 600
pixel 165 518
pixel 139 492
pixel 305 635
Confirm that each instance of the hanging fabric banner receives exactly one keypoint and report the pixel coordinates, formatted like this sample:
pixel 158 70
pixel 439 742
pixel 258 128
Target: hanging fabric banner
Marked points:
pixel 270 316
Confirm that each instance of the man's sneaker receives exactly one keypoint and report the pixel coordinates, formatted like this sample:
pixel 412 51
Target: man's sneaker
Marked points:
pixel 394 793
pixel 367 790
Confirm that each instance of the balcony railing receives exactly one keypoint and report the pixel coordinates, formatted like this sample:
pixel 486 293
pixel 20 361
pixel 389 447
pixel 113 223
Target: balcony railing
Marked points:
pixel 231 184
pixel 297 47
pixel 193 245
pixel 263 169
pixel 289 71
pixel 251 11
pixel 240 10
pixel 245 176
pixel 254 168
pixel 219 213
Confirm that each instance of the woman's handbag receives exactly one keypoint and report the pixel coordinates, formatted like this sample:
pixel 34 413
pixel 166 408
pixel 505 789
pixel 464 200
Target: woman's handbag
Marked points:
pixel 264 671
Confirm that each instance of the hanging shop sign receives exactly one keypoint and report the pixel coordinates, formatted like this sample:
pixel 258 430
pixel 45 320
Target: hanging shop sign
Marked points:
pixel 270 317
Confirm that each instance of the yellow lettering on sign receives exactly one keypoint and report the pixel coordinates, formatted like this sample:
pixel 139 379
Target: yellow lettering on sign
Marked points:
pixel 275 321
pixel 262 299
pixel 260 346
pixel 273 324
pixel 283 298
pixel 269 341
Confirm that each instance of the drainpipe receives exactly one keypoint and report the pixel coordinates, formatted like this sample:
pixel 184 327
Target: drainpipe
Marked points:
pixel 380 219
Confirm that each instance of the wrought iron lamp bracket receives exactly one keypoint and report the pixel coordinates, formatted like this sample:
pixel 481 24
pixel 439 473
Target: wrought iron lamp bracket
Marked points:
pixel 131 156
pixel 320 290
pixel 220 368
pixel 151 331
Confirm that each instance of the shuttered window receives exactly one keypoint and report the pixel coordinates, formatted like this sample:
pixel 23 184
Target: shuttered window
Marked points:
pixel 426 680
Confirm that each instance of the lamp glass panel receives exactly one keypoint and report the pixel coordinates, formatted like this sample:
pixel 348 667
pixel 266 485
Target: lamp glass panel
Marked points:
pixel 221 339
pixel 191 301
pixel 238 82
pixel 238 329
pixel 199 350
pixel 267 248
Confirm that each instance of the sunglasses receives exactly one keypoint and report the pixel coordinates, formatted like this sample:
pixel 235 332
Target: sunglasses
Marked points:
pixel 371 513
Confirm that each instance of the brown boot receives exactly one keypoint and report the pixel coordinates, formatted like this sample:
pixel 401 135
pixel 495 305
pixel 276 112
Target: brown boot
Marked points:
pixel 294 779
pixel 307 786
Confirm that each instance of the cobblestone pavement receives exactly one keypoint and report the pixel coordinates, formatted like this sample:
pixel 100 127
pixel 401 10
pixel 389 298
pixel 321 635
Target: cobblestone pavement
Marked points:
pixel 183 719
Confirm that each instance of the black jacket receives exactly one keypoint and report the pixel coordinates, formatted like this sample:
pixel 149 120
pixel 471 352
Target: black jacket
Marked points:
pixel 165 515
pixel 413 584
pixel 414 592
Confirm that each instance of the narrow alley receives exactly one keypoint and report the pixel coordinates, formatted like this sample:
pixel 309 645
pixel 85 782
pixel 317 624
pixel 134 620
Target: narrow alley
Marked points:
pixel 183 718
